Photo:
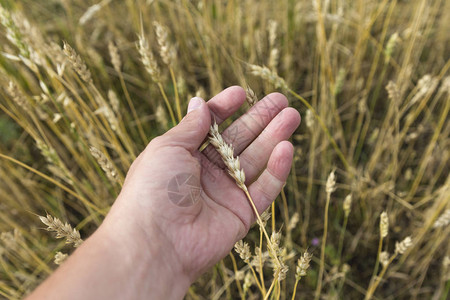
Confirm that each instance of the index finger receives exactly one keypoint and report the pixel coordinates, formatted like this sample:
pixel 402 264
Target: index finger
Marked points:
pixel 226 103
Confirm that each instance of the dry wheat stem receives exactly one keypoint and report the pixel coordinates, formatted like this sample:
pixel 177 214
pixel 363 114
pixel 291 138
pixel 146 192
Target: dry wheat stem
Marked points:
pixel 85 201
pixel 325 129
pixel 400 248
pixel 330 187
pixel 115 56
pixel 272 285
pixel 373 286
pixel 235 269
pixel 117 64
pixel 168 54
pixel 384 229
pixel 151 66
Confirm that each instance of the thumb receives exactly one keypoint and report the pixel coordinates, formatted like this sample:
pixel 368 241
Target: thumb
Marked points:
pixel 194 127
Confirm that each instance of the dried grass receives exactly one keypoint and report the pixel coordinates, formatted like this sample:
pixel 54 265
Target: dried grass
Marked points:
pixel 370 78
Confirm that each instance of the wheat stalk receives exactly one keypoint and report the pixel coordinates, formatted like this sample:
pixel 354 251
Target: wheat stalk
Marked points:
pixel 381 256
pixel 400 248
pixel 330 187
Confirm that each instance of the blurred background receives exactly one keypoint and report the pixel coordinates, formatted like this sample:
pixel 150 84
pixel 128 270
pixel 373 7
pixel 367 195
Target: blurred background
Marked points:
pixel 85 85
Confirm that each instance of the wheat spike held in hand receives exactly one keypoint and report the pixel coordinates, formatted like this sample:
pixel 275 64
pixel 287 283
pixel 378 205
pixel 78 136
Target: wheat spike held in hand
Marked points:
pixel 232 163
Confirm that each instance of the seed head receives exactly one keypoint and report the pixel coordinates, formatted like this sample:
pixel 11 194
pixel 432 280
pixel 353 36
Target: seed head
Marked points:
pixel 248 281
pixel 265 216
pixel 168 52
pixel 227 153
pixel 384 224
pixel 275 240
pixel 293 221
pixel 347 206
pixel 147 58
pixel 309 119
pixel 115 56
pixel 17 96
pixel 105 164
pixel 393 91
pixel 63 230
pixel 303 265
pixel 272 29
pixel 384 258
pixel 60 258
pixel 390 46
pixel 282 270
pixel 443 220
pixel 243 249
pixel 266 74
pixel 90 12
pixel 331 183
pixel 77 63
pixel 251 96
pixel 114 100
pixel 401 247
pixel 340 81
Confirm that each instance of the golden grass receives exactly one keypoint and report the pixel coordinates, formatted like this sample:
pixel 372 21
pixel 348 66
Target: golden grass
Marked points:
pixel 370 78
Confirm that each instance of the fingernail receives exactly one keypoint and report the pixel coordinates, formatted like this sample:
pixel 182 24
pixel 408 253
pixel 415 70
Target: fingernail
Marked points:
pixel 194 104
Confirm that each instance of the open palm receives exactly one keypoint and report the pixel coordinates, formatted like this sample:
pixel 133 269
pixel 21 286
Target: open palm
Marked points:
pixel 187 195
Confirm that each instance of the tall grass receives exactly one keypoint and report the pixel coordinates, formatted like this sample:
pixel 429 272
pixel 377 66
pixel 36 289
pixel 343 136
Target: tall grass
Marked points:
pixel 85 85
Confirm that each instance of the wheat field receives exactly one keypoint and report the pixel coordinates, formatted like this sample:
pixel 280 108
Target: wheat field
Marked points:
pixel 365 212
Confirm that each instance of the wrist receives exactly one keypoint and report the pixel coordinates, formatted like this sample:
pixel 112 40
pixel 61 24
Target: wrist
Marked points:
pixel 146 256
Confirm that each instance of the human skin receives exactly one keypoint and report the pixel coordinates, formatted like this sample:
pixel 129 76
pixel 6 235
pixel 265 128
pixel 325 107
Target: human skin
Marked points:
pixel 152 247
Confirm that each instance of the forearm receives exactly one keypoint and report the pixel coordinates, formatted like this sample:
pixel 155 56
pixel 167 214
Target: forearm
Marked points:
pixel 109 265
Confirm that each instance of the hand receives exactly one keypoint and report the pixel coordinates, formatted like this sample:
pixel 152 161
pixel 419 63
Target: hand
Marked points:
pixel 188 195
pixel 179 211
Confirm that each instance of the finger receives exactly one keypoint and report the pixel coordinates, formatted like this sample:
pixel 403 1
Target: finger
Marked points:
pixel 245 129
pixel 269 184
pixel 192 130
pixel 226 103
pixel 255 156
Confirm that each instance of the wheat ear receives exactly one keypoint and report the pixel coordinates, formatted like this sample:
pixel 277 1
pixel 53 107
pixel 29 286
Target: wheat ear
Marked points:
pixel 234 169
pixel 63 230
